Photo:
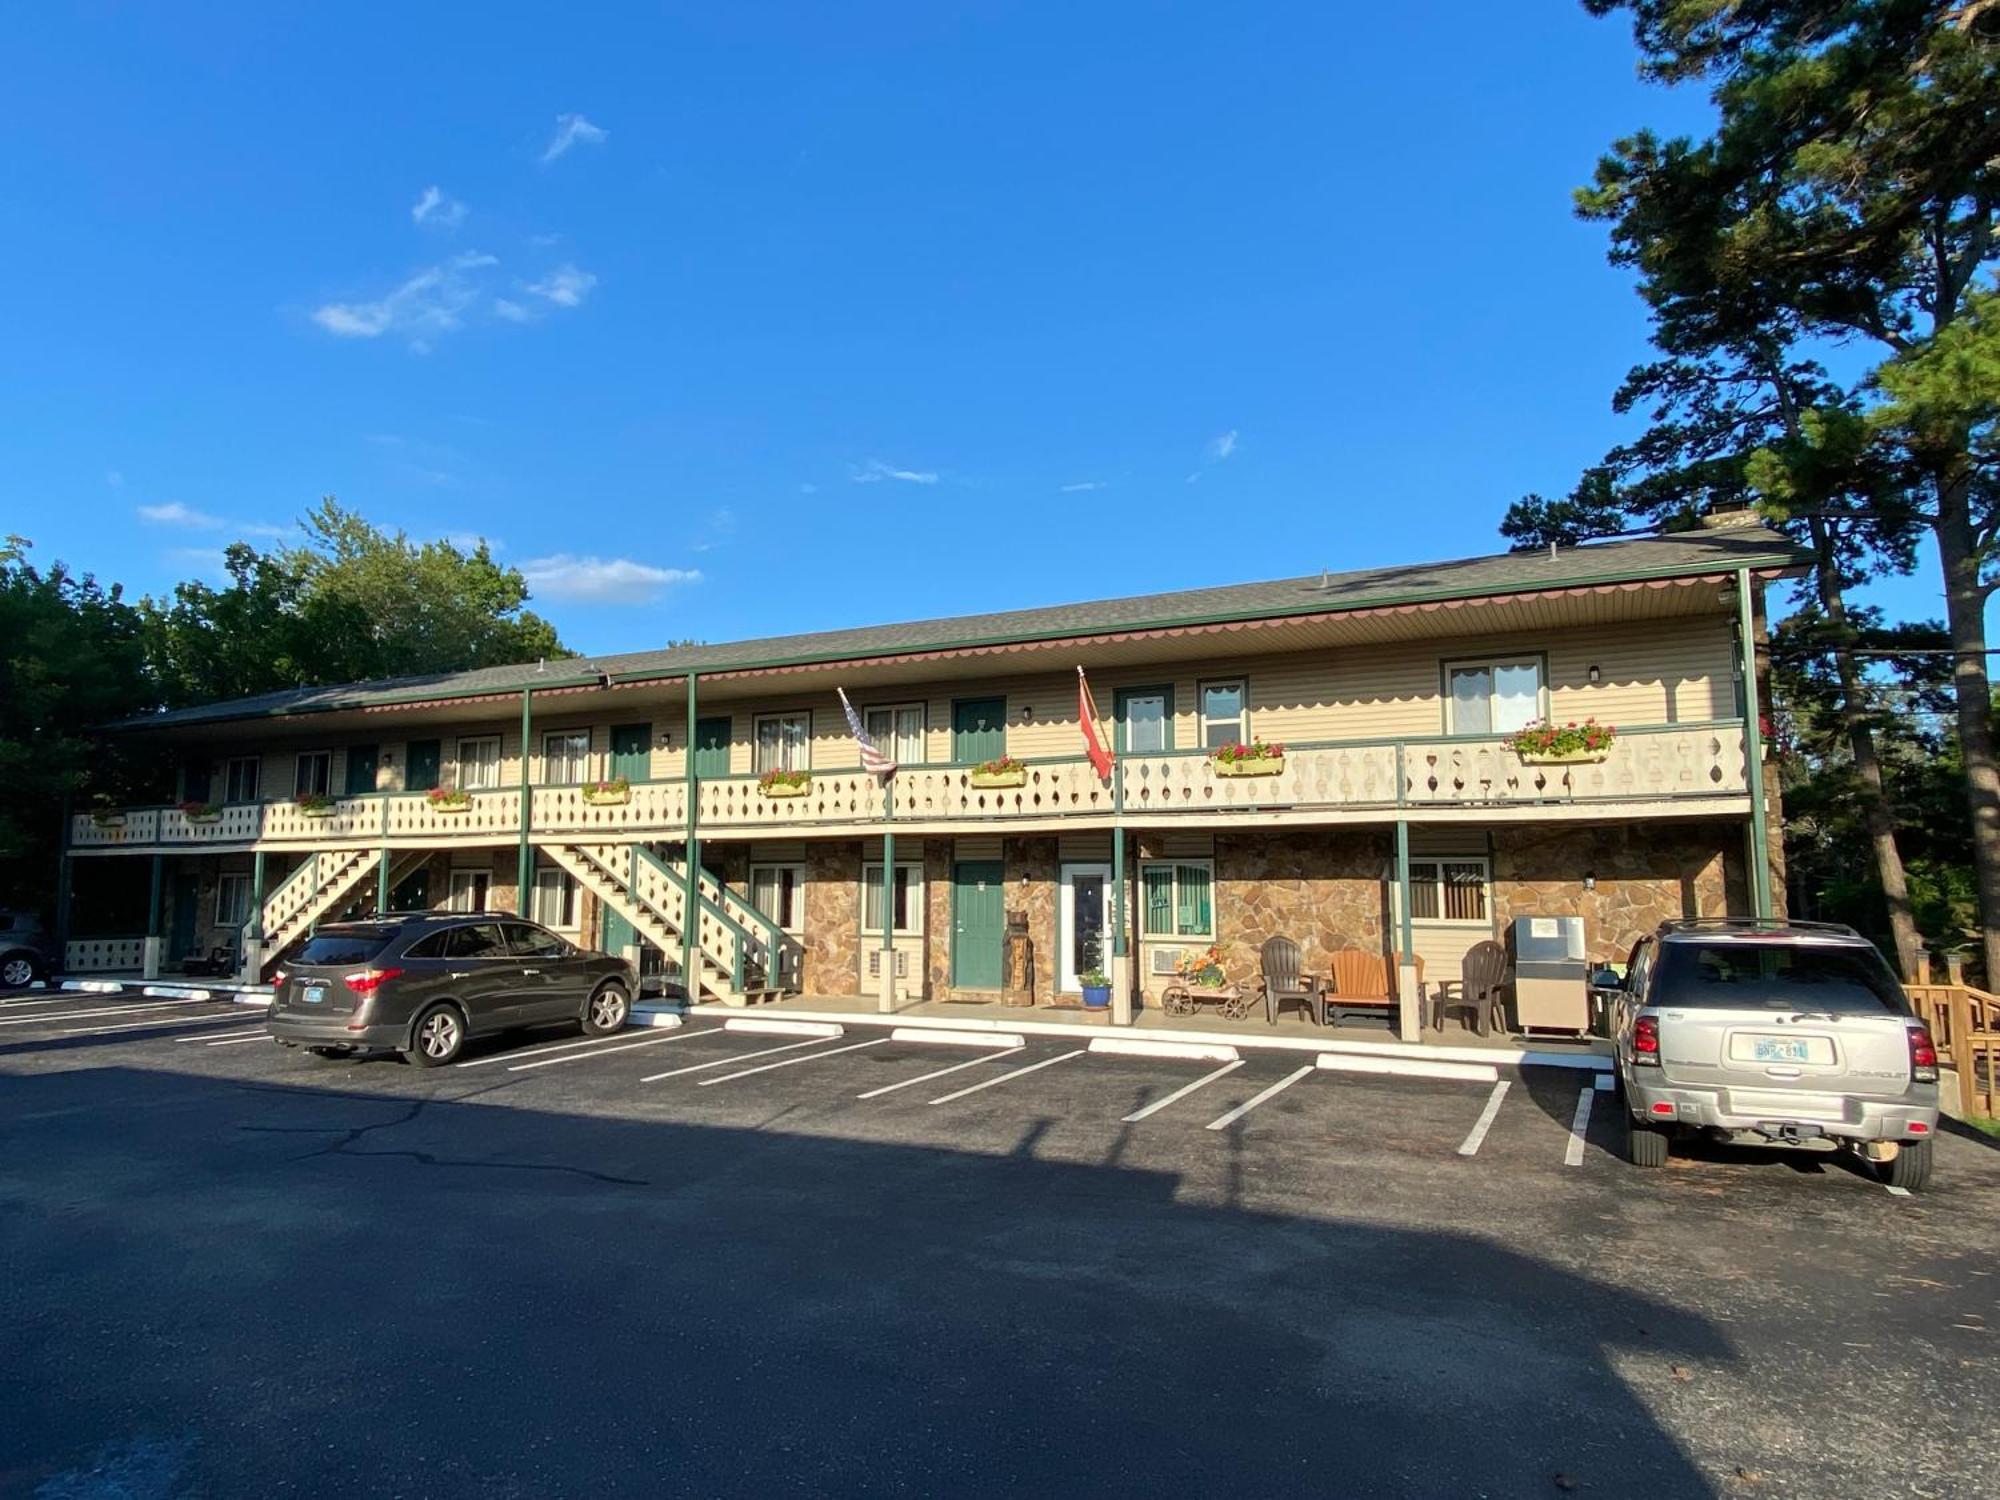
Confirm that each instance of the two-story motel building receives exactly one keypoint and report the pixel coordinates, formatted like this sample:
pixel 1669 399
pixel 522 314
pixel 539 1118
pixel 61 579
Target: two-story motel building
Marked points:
pixel 1398 823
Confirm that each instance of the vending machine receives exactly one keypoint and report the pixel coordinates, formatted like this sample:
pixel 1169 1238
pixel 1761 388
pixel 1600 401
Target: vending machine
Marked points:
pixel 1551 975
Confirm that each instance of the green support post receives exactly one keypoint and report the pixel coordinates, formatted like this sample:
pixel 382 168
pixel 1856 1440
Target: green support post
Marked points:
pixel 382 869
pixel 690 934
pixel 524 868
pixel 1121 979
pixel 886 998
pixel 62 885
pixel 1759 853
pixel 153 896
pixel 1406 936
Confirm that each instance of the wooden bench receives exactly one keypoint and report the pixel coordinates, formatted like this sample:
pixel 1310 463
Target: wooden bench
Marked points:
pixel 1364 985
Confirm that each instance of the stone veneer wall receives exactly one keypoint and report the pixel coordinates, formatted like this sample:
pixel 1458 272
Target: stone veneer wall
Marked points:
pixel 1324 890
pixel 1034 859
pixel 1645 874
pixel 833 917
pixel 937 917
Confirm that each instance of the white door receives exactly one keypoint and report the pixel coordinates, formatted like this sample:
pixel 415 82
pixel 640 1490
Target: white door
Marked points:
pixel 1084 941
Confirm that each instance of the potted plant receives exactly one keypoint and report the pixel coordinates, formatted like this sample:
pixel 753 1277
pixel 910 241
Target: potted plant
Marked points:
pixel 448 799
pixel 315 805
pixel 1257 758
pixel 1096 988
pixel 1006 771
pixel 612 793
pixel 1202 969
pixel 785 783
pixel 1546 743
pixel 106 817
pixel 201 812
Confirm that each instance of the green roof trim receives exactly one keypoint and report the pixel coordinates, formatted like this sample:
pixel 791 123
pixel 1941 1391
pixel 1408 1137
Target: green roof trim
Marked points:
pixel 1680 554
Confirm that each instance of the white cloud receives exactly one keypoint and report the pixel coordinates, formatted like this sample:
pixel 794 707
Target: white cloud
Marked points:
pixel 573 130
pixel 602 580
pixel 1221 447
pixel 433 301
pixel 875 471
pixel 437 207
pixel 264 529
pixel 513 312
pixel 1082 486
pixel 173 513
pixel 566 286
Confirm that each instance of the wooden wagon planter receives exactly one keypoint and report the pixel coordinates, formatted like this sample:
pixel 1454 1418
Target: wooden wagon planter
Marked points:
pixel 1183 999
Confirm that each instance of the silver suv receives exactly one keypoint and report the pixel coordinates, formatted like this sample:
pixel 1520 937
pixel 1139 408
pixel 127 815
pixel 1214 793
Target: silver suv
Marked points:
pixel 1775 1034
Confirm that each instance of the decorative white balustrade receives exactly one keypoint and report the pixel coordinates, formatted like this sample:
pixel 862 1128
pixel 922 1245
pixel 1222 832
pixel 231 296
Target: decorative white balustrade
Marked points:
pixel 111 955
pixel 1641 766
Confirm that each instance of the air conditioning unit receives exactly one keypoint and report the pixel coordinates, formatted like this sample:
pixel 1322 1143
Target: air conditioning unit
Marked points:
pixel 1165 960
pixel 875 964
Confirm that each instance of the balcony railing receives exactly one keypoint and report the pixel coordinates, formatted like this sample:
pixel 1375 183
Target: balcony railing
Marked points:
pixel 1666 763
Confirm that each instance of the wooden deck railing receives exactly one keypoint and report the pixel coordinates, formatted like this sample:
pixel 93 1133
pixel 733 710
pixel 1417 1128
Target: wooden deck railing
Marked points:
pixel 1965 1025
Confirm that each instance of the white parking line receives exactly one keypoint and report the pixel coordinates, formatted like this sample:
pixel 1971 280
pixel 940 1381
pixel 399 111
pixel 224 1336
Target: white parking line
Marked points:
pixel 1251 1103
pixel 513 1057
pixel 1573 1153
pixel 723 1062
pixel 1183 1091
pixel 1470 1146
pixel 890 1088
pixel 1047 1062
pixel 792 1062
pixel 260 1031
pixel 651 1041
pixel 1896 1192
pixel 157 1023
pixel 234 1041
pixel 84 1015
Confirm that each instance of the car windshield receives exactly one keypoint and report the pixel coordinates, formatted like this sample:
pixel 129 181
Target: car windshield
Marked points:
pixel 1802 976
pixel 344 945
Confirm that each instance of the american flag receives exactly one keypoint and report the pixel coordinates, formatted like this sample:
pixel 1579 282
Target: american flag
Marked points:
pixel 872 758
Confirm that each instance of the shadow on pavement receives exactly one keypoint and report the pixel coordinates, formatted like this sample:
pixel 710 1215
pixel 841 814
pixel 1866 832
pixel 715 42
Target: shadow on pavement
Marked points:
pixel 305 1290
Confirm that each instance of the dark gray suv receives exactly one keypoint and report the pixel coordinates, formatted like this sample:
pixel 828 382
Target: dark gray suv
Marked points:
pixel 422 983
pixel 27 953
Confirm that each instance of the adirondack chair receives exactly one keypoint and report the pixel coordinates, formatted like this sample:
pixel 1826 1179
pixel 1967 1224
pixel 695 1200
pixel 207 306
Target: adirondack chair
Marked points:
pixel 1480 994
pixel 1363 985
pixel 1280 977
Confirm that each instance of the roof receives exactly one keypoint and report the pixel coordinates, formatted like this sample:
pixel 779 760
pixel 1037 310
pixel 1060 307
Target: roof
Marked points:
pixel 1680 554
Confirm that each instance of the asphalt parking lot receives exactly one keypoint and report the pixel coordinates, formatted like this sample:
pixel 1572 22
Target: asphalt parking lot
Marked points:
pixel 705 1261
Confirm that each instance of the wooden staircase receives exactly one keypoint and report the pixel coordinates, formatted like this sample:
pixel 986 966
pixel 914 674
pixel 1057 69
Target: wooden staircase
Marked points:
pixel 651 894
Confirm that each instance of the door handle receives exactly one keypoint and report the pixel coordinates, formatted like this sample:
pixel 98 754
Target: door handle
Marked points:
pixel 531 971
pixel 459 974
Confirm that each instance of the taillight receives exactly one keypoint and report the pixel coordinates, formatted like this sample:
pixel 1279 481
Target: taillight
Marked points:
pixel 1923 1055
pixel 368 981
pixel 1646 1041
pixel 277 978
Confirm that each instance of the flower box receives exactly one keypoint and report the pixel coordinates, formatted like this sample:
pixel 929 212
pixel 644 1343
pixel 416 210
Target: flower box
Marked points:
pixel 784 783
pixel 1546 743
pixel 107 820
pixel 203 819
pixel 608 794
pixel 1015 776
pixel 1573 758
pixel 316 809
pixel 452 807
pixel 1255 765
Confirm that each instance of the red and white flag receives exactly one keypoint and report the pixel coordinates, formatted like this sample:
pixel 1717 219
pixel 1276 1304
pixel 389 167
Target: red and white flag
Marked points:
pixel 1086 715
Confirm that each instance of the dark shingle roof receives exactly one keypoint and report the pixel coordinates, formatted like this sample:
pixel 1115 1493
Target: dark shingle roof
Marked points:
pixel 1681 553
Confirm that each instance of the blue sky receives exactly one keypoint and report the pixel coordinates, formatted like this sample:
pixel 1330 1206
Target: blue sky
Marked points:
pixel 742 319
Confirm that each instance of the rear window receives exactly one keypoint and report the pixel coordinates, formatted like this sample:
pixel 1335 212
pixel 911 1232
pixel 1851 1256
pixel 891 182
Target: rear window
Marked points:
pixel 1800 976
pixel 344 945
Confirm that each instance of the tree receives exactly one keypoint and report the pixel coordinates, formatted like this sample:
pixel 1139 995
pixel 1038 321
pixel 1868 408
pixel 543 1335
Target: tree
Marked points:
pixel 1847 196
pixel 70 659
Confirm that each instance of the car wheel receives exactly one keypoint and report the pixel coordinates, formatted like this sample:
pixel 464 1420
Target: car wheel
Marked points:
pixel 1911 1170
pixel 1645 1145
pixel 17 972
pixel 437 1038
pixel 607 1011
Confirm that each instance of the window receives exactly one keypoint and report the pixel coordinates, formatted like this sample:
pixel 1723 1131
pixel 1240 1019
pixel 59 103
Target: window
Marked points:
pixel 1225 713
pixel 469 890
pixel 566 757
pixel 232 900
pixel 782 742
pixel 1493 697
pixel 315 774
pixel 1736 974
pixel 524 941
pixel 1144 718
pixel 346 945
pixel 422 758
pixel 1178 898
pixel 475 940
pixel 1448 890
pixel 908 895
pixel 775 891
pixel 897 728
pixel 240 780
pixel 555 898
pixel 479 762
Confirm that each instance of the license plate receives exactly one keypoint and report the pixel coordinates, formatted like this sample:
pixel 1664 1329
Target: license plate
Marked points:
pixel 314 994
pixel 1780 1049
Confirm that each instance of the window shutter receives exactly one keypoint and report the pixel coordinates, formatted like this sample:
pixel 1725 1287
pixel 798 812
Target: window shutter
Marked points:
pixel 1159 889
pixel 1193 912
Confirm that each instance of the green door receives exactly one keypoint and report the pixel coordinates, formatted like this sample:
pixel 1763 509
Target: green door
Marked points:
pixel 978 921
pixel 631 751
pixel 711 747
pixel 619 934
pixel 978 730
pixel 425 756
pixel 360 770
pixel 187 897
